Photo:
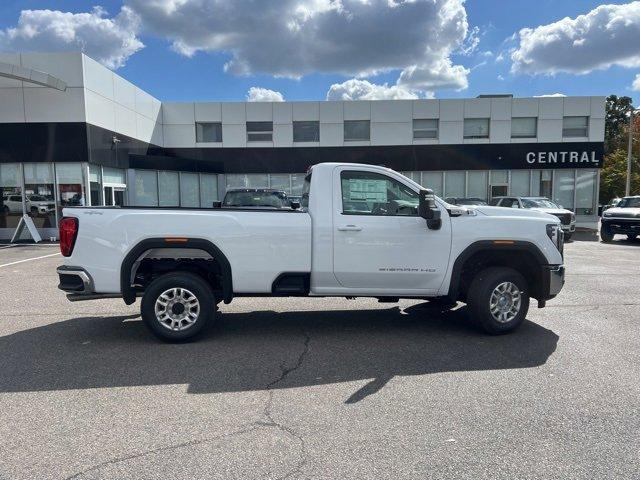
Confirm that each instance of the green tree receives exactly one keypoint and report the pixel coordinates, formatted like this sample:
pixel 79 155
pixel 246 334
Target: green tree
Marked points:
pixel 616 122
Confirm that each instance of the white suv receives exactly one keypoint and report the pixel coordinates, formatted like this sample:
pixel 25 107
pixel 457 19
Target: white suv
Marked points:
pixel 541 204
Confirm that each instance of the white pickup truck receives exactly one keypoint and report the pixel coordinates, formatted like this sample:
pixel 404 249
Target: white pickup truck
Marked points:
pixel 362 231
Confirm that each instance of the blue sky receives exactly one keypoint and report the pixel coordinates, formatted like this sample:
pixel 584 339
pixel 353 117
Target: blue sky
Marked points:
pixel 591 55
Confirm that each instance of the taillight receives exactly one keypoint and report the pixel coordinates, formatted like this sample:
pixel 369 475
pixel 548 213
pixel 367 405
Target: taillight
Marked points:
pixel 68 234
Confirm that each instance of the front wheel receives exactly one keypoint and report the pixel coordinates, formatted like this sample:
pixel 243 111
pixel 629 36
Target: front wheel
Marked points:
pixel 498 299
pixel 632 236
pixel 605 234
pixel 177 306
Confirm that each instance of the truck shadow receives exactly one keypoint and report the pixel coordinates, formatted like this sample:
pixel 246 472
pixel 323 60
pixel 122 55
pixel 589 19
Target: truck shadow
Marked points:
pixel 250 351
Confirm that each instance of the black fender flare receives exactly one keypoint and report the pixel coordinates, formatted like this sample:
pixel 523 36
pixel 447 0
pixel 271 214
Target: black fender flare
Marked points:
pixel 496 245
pixel 128 293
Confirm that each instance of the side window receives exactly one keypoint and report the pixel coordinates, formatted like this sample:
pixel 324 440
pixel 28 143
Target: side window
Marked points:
pixel 514 203
pixel 367 193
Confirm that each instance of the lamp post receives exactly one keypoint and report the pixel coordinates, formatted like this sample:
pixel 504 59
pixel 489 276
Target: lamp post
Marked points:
pixel 627 190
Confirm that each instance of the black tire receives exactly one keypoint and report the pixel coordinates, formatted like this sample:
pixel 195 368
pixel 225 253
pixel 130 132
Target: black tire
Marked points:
pixel 567 236
pixel 187 328
pixel 631 236
pixel 605 234
pixel 479 298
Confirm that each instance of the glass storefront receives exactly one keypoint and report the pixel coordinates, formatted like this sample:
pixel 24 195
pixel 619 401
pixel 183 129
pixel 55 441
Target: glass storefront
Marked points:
pixel 574 189
pixel 39 194
pixel 290 183
pixel 10 195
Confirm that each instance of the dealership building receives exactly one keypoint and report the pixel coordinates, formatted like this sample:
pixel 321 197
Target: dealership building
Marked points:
pixel 75 133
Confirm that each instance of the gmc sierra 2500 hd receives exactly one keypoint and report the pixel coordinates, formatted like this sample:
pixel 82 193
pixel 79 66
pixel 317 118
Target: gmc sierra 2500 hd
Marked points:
pixel 362 230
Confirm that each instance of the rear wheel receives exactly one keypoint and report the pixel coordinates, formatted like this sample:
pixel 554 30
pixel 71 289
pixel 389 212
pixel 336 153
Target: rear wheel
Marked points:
pixel 498 299
pixel 605 234
pixel 632 236
pixel 177 306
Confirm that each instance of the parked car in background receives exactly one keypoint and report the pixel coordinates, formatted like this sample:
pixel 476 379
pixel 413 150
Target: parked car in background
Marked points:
pixel 35 204
pixel 541 204
pixel 623 219
pixel 258 198
pixel 612 203
pixel 470 201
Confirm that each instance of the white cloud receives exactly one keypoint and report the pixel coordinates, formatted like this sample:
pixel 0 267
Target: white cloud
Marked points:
pixel 608 35
pixel 111 41
pixel 436 75
pixel 355 89
pixel 636 83
pixel 550 95
pixel 293 38
pixel 257 94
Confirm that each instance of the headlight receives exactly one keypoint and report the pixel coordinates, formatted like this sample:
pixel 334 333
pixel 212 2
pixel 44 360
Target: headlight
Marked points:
pixel 606 214
pixel 555 233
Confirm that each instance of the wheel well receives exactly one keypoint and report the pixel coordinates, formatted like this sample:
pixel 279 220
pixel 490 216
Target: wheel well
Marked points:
pixel 523 261
pixel 155 257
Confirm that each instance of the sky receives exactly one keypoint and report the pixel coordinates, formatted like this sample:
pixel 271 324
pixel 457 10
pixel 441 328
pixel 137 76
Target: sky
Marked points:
pixel 262 50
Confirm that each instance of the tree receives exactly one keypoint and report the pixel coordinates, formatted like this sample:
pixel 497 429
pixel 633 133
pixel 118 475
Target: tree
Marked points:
pixel 613 175
pixel 616 121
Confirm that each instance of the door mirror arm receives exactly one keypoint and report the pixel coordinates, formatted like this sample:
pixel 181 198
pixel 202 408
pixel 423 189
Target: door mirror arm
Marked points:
pixel 428 209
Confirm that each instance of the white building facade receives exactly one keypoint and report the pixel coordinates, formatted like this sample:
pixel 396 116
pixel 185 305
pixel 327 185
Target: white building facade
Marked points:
pixel 104 141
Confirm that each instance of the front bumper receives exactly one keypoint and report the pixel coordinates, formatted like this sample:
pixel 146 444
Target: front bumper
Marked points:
pixel 568 228
pixel 629 226
pixel 552 281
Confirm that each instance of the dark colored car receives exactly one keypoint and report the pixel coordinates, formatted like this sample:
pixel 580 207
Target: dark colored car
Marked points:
pixel 465 201
pixel 258 198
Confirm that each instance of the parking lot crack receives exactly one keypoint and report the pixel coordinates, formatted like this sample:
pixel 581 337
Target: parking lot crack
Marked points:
pixel 191 443
pixel 272 423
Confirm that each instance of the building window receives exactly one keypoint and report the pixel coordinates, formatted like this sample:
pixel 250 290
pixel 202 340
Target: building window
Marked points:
pixel 306 131
pixel 259 131
pixel 477 184
pixel 433 180
pixel 586 192
pixel 169 188
pixel 575 127
pixel 476 128
pixel 10 195
pixel 189 190
pixel 524 127
pixel 454 183
pixel 40 194
pixel 208 190
pixel 357 130
pixel 208 132
pixel 563 188
pixel 427 128
pixel 520 183
pixel 146 188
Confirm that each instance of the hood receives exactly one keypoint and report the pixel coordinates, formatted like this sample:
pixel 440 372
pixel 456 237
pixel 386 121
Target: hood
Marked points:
pixel 514 212
pixel 622 212
pixel 552 211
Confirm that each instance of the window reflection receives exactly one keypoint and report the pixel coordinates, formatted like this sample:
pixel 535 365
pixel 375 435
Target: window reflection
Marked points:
pixel 39 194
pixel 10 195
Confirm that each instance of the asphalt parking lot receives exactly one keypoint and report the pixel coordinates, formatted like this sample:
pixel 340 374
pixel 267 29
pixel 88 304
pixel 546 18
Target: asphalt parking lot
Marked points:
pixel 323 388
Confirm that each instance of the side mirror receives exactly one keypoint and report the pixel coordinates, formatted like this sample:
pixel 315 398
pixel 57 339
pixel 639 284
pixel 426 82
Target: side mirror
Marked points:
pixel 295 205
pixel 217 204
pixel 428 209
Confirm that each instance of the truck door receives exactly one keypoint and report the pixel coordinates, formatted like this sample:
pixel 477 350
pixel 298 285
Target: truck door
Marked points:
pixel 379 241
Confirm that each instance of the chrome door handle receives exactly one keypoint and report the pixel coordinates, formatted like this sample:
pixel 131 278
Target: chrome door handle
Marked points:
pixel 350 228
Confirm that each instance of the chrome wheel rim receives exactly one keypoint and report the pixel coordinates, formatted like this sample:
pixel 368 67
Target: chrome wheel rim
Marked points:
pixel 505 302
pixel 177 309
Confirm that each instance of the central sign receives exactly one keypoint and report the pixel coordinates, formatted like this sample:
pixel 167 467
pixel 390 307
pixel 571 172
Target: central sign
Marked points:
pixel 554 158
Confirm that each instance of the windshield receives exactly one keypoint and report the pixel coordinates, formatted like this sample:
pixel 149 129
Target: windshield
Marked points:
pixel 471 201
pixel 538 203
pixel 37 198
pixel 255 199
pixel 629 202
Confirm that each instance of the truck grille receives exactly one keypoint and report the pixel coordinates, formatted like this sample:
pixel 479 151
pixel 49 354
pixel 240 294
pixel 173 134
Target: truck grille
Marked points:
pixel 624 215
pixel 565 218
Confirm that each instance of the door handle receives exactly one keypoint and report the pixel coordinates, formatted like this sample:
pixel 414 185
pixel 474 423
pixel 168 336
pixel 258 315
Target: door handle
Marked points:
pixel 350 228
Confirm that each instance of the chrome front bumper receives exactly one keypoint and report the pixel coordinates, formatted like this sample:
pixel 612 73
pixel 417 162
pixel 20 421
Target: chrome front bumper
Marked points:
pixel 556 279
